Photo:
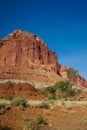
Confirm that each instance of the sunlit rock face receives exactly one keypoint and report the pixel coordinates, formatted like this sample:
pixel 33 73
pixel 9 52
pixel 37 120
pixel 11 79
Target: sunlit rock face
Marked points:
pixel 21 48
pixel 24 56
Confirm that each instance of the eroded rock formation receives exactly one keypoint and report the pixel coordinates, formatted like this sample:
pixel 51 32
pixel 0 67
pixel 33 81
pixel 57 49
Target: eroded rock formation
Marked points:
pixel 25 56
pixel 21 48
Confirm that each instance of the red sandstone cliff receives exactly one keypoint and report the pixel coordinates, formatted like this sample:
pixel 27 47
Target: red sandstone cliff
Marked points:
pixel 21 48
pixel 25 56
pixel 78 80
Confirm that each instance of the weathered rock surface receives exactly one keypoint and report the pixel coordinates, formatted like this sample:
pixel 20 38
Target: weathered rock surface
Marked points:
pixel 78 80
pixel 25 56
pixel 21 48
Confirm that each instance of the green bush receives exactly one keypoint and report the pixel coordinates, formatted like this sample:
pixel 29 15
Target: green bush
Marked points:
pixel 3 108
pixel 62 97
pixel 65 88
pixel 9 97
pixel 51 89
pixel 71 93
pixel 20 101
pixel 63 84
pixel 52 97
pixel 40 120
pixel 72 73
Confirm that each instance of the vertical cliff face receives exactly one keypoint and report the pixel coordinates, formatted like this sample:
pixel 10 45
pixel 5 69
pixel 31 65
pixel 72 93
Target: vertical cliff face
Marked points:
pixel 21 48
pixel 25 56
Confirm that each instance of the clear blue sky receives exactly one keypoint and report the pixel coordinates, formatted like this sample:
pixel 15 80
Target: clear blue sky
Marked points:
pixel 62 24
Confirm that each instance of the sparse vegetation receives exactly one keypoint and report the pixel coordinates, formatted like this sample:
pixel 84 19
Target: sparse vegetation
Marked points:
pixel 40 120
pixel 9 97
pixel 64 88
pixel 50 90
pixel 49 93
pixel 44 105
pixel 3 108
pixel 30 125
pixel 40 104
pixel 20 101
pixel 34 123
pixel 52 97
pixel 71 74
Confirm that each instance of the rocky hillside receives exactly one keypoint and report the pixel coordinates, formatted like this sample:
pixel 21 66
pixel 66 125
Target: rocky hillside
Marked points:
pixel 18 89
pixel 25 56
pixel 75 77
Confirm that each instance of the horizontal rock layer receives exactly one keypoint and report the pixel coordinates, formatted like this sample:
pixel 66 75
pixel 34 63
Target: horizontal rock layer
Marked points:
pixel 25 56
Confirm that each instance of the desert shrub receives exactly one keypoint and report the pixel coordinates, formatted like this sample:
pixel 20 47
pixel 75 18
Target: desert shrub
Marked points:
pixel 20 101
pixel 62 97
pixel 65 88
pixel 34 123
pixel 59 84
pixel 49 92
pixel 44 105
pixel 71 92
pixel 52 97
pixel 40 120
pixel 4 107
pixel 9 97
pixel 43 92
pixel 41 104
pixel 72 73
pixel 78 91
pixel 30 125
pixel 50 89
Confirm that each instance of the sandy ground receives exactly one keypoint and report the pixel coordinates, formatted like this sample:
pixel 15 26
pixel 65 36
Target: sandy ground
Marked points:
pixel 67 115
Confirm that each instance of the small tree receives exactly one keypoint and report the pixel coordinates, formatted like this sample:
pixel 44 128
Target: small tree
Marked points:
pixel 63 85
pixel 65 88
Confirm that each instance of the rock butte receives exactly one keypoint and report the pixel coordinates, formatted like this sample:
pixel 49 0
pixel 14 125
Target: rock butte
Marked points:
pixel 24 56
